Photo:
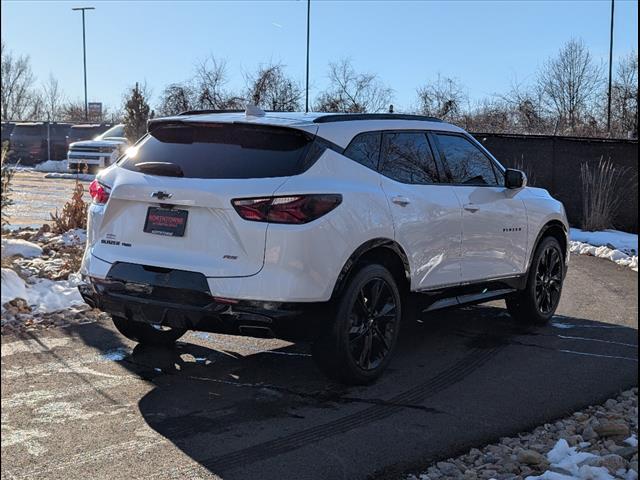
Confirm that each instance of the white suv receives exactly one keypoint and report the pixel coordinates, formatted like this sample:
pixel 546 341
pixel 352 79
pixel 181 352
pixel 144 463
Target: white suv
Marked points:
pixel 331 227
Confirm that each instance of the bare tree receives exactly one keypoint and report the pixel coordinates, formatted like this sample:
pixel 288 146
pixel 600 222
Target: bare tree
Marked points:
pixel 270 88
pixel 524 105
pixel 624 97
pixel 569 83
pixel 353 92
pixel 443 98
pixel 176 98
pixel 16 90
pixel 53 99
pixel 73 112
pixel 489 116
pixel 209 86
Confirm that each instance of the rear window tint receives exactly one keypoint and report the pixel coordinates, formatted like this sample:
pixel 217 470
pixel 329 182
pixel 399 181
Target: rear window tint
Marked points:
pixel 223 150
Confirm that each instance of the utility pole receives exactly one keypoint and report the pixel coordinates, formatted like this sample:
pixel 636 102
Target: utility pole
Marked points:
pixel 610 69
pixel 306 101
pixel 84 57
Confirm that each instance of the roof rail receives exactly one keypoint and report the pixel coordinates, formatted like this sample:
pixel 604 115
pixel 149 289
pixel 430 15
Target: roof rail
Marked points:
pixel 345 117
pixel 203 112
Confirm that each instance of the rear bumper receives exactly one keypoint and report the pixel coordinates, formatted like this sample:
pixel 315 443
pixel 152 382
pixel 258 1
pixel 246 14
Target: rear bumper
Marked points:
pixel 198 310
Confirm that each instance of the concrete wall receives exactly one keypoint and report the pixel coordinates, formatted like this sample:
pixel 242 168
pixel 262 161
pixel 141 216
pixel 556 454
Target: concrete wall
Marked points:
pixel 554 163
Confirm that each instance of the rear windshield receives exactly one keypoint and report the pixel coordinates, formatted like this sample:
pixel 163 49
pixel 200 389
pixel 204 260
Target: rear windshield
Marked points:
pixel 223 150
pixel 117 131
pixel 85 133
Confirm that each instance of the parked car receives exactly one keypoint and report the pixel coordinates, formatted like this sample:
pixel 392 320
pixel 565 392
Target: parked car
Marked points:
pixel 7 128
pixel 321 226
pixel 102 151
pixel 81 132
pixel 35 142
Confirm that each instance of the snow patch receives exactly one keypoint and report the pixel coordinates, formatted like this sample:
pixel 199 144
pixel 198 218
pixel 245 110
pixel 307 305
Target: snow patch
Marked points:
pixel 42 295
pixel 84 177
pixel 576 465
pixel 12 286
pixel 14 246
pixel 619 247
pixel 76 236
pixel 114 355
pixel 625 242
pixel 59 166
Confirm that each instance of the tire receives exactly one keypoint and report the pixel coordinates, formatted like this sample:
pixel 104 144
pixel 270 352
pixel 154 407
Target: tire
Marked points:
pixel 537 303
pixel 147 334
pixel 358 345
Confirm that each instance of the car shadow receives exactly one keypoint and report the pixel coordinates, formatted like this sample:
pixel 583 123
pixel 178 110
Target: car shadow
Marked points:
pixel 238 409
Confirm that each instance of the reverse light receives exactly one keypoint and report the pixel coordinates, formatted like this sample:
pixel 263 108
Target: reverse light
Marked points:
pixel 290 209
pixel 99 193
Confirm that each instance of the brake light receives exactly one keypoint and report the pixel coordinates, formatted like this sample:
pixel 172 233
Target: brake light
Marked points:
pixel 291 209
pixel 99 192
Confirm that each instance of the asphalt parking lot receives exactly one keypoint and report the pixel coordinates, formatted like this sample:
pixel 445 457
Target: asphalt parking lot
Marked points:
pixel 83 402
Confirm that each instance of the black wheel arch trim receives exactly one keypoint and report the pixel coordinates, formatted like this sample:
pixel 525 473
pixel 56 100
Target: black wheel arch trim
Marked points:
pixel 542 233
pixel 368 246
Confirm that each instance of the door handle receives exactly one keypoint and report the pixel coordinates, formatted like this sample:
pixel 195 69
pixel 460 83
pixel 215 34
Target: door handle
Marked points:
pixel 470 207
pixel 400 200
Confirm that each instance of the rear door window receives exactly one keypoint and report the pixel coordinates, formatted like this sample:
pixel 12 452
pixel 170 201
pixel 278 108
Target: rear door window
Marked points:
pixel 223 150
pixel 468 165
pixel 407 158
pixel 365 149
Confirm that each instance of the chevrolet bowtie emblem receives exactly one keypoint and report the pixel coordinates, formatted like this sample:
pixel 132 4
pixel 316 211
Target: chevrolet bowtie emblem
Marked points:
pixel 161 195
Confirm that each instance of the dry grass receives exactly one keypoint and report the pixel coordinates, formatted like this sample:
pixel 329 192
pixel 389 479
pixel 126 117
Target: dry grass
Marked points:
pixel 7 176
pixel 525 167
pixel 74 213
pixel 602 194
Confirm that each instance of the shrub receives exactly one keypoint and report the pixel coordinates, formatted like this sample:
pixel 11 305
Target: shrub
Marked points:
pixel 74 213
pixel 602 190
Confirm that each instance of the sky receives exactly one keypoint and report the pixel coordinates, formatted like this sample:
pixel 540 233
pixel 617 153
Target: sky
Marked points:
pixel 485 45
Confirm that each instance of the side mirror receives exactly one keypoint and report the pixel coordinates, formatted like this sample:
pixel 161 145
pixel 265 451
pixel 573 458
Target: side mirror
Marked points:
pixel 515 178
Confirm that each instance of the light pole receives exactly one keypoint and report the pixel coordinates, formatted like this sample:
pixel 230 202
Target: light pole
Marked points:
pixel 610 69
pixel 306 101
pixel 84 57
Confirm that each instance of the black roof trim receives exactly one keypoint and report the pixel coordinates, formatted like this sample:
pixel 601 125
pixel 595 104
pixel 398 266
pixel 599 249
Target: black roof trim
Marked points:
pixel 204 112
pixel 345 117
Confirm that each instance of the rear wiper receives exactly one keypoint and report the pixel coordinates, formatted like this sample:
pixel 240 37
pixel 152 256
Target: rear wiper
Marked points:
pixel 165 169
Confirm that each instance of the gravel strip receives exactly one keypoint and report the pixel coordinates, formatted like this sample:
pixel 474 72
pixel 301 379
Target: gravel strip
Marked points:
pixel 607 431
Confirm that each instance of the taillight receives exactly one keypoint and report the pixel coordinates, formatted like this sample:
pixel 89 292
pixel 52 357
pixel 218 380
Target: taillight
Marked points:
pixel 292 209
pixel 99 192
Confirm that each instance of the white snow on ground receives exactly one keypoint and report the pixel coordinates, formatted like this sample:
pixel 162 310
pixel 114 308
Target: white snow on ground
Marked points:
pixel 626 242
pixel 577 465
pixel 59 166
pixel 77 236
pixel 85 177
pixel 60 169
pixel 12 286
pixel 619 247
pixel 14 246
pixel 41 294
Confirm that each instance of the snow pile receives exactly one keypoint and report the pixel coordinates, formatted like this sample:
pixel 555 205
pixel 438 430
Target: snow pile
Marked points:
pixel 76 236
pixel 83 177
pixel 569 464
pixel 619 247
pixel 12 286
pixel 59 166
pixel 42 295
pixel 14 246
